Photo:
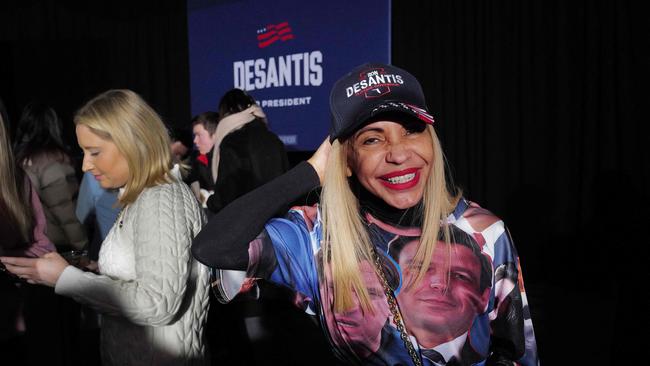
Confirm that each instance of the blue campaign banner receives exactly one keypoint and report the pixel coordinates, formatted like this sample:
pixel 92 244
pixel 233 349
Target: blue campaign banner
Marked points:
pixel 286 54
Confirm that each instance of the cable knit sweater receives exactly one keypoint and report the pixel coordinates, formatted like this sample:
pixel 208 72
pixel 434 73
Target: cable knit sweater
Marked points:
pixel 153 294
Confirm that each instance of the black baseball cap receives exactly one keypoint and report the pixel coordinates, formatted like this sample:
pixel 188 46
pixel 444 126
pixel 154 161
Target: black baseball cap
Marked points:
pixel 371 89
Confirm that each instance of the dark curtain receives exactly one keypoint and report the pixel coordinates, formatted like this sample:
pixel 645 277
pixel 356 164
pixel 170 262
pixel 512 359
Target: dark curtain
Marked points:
pixel 538 107
pixel 66 52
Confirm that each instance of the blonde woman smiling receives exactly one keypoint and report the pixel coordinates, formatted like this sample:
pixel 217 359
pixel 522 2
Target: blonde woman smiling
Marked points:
pixel 383 182
pixel 153 294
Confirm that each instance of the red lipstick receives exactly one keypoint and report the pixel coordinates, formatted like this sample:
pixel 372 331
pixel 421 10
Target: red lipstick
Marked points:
pixel 397 180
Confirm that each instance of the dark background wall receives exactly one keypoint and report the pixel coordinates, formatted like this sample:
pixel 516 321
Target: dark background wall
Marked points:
pixel 540 105
pixel 66 52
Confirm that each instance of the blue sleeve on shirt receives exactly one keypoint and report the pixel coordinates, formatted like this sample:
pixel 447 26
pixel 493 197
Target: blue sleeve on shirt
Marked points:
pixel 85 199
pixel 294 251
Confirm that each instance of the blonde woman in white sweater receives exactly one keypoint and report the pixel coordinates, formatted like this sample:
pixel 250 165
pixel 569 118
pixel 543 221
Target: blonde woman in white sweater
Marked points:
pixel 153 294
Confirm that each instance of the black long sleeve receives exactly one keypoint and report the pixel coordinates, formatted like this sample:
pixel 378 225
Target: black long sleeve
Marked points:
pixel 223 242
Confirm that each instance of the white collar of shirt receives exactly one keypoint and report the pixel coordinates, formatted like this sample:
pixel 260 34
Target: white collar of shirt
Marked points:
pixel 451 348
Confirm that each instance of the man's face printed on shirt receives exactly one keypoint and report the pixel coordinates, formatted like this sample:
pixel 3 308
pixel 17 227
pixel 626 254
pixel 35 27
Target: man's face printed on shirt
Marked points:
pixel 359 329
pixel 444 304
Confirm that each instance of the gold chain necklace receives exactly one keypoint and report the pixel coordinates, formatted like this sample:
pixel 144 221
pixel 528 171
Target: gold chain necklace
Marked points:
pixel 394 309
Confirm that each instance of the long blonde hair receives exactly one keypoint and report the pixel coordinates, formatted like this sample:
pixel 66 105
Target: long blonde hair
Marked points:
pixel 345 239
pixel 123 117
pixel 13 190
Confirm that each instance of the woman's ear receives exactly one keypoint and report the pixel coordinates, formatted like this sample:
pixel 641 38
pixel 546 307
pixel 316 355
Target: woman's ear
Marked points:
pixel 349 154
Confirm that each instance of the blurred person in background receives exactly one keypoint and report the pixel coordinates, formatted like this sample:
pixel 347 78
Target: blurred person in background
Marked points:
pixel 201 179
pixel 22 229
pixel 246 153
pixel 40 151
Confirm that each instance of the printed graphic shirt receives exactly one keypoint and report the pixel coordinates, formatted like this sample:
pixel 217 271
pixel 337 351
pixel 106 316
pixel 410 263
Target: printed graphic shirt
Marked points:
pixel 470 306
